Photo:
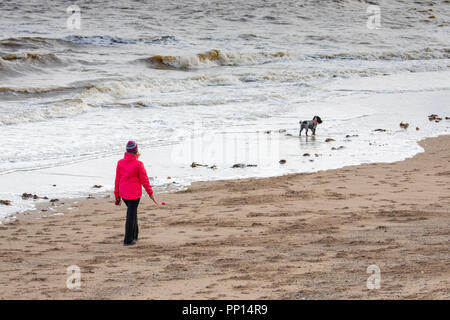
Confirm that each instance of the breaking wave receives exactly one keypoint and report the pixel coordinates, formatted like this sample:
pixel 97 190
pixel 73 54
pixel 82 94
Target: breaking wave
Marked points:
pixel 37 43
pixel 212 58
pixel 46 58
pixel 218 58
pixel 422 54
pixel 57 109
pixel 16 64
pixel 106 40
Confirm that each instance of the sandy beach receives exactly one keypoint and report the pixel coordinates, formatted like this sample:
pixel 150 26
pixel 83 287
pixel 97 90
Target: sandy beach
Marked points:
pixel 300 236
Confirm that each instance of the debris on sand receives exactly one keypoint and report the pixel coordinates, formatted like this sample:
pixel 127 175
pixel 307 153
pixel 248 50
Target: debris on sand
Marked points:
pixel 268 131
pixel 380 130
pixel 169 177
pixel 329 139
pixel 54 200
pixel 288 135
pixel 97 186
pixel 306 155
pixel 29 195
pixel 243 165
pixel 90 197
pixel 5 202
pixel 338 148
pixel 404 125
pixel 436 118
pixel 417 129
pixel 282 130
pixel 447 118
pixel 282 161
pixel 195 164
pixel 353 135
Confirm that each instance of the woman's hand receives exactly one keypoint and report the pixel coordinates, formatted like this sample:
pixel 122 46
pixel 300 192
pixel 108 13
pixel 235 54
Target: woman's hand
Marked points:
pixel 118 201
pixel 153 198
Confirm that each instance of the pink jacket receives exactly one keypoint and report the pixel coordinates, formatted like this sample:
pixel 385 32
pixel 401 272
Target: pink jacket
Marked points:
pixel 130 177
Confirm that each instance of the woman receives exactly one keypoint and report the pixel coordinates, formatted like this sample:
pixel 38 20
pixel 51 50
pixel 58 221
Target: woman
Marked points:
pixel 130 177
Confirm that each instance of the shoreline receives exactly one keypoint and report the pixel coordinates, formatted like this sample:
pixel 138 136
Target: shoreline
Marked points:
pixel 296 236
pixel 42 208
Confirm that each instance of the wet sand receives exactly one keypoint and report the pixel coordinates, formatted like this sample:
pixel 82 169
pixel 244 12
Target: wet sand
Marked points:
pixel 302 236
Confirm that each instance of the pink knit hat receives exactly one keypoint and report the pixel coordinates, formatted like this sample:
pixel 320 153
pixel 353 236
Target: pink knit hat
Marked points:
pixel 132 147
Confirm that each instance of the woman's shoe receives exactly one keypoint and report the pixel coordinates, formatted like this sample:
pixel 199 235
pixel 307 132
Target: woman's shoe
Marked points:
pixel 130 244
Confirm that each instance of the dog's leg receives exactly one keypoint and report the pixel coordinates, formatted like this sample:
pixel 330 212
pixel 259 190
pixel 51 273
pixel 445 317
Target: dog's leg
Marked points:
pixel 300 132
pixel 314 132
pixel 306 131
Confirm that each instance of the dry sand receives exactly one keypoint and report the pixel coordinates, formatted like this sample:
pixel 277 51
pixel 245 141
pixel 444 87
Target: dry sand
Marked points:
pixel 302 236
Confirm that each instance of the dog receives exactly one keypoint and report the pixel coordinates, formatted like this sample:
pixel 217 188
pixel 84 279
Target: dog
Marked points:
pixel 310 124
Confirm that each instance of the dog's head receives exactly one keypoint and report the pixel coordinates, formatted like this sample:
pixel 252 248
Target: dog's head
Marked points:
pixel 317 118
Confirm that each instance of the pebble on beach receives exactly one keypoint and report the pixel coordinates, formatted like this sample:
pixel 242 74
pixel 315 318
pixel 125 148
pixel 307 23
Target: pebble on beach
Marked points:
pixel 29 195
pixel 243 165
pixel 282 161
pixel 404 125
pixel 433 117
pixel 195 164
pixel 5 202
pixel 306 155
pixel 97 186
pixel 329 140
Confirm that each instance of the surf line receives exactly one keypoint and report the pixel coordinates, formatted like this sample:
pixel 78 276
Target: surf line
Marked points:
pixel 199 310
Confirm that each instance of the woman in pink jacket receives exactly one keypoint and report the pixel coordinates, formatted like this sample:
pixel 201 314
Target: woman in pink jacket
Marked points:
pixel 130 178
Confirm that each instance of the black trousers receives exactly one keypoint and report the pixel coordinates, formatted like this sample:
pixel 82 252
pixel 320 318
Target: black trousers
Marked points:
pixel 131 226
